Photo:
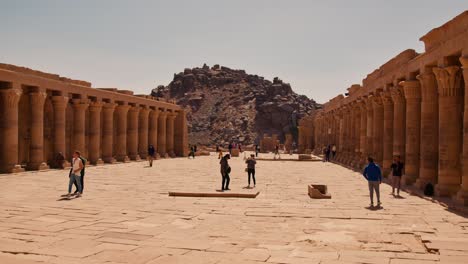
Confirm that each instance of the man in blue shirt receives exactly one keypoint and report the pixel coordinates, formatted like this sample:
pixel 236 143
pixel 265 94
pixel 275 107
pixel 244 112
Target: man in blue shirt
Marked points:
pixel 373 175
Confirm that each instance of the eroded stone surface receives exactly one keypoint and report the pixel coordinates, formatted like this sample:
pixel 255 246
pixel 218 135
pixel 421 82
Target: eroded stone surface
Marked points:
pixel 126 216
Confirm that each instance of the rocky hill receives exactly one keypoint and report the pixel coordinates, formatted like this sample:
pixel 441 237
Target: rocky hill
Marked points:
pixel 230 105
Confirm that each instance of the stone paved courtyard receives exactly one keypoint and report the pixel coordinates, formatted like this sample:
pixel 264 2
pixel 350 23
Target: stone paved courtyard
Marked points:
pixel 126 216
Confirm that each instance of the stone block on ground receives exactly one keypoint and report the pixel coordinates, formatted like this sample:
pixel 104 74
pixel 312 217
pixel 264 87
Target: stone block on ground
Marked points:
pixel 234 153
pixel 318 191
pixel 305 157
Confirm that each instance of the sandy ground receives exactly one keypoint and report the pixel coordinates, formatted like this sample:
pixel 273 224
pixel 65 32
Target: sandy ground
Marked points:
pixel 126 216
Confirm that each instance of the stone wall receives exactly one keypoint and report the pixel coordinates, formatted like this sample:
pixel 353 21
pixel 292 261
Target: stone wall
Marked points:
pixel 42 114
pixel 414 106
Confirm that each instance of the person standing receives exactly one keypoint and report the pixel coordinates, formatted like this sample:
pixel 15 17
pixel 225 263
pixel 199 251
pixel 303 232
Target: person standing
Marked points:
pixel 251 168
pixel 75 174
pixel 373 175
pixel 334 151
pixel 230 148
pixel 151 152
pixel 327 154
pixel 225 171
pixel 257 149
pixel 397 172
pixel 277 152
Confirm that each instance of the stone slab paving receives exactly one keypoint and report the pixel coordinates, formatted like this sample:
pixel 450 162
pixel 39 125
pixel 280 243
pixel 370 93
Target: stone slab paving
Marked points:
pixel 126 216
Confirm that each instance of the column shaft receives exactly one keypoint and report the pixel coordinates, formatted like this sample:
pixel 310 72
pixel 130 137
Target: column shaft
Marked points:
pixel 170 134
pixel 132 134
pixel 153 129
pixel 36 146
pixel 450 129
pixel 121 146
pixel 399 122
pixel 79 124
pixel 162 134
pixel 95 133
pixel 9 100
pixel 387 133
pixel 377 130
pixel 143 132
pixel 108 132
pixel 412 91
pixel 462 195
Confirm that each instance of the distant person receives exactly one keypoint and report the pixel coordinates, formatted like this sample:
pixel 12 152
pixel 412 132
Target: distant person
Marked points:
pixel 324 152
pixel 230 148
pixel 373 175
pixel 277 152
pixel 334 151
pixel 327 153
pixel 220 153
pixel 240 148
pixel 397 172
pixel 217 148
pixel 225 171
pixel 192 152
pixel 75 174
pixel 257 149
pixel 251 168
pixel 195 149
pixel 151 152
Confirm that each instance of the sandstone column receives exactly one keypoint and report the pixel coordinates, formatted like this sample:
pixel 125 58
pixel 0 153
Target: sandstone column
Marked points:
pixel 170 134
pixel 121 146
pixel 94 148
pixel 377 129
pixel 429 150
pixel 462 195
pixel 153 129
pixel 363 131
pixel 181 135
pixel 399 122
pixel 108 132
pixel 36 146
pixel 387 133
pixel 143 132
pixel 412 90
pixel 9 99
pixel 357 136
pixel 162 134
pixel 79 124
pixel 60 107
pixel 450 129
pixel 370 127
pixel 132 134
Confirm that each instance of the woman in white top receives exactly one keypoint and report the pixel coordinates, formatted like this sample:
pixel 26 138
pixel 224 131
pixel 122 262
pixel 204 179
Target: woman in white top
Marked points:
pixel 77 166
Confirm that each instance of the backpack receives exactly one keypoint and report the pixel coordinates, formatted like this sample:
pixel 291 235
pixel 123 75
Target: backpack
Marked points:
pixel 82 172
pixel 429 190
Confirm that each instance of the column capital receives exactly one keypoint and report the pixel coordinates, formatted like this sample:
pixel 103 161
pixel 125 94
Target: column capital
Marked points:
pixel 109 106
pixel 397 94
pixel 144 110
pixel 80 104
pixel 448 80
pixel 135 109
pixel 37 98
pixel 95 106
pixel 387 98
pixel 123 107
pixel 11 97
pixel 376 101
pixel 412 89
pixel 163 114
pixel 464 62
pixel 59 101
pixel 428 86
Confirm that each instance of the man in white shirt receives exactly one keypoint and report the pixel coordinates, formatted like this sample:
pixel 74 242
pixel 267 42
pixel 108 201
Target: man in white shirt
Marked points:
pixel 77 166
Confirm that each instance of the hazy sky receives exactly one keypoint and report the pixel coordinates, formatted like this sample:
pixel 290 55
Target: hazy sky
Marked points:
pixel 320 47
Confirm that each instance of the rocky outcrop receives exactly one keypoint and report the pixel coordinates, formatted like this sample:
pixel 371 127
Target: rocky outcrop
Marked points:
pixel 230 105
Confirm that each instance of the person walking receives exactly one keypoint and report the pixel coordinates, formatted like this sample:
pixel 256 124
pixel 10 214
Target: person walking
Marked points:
pixel 75 174
pixel 397 172
pixel 82 174
pixel 333 151
pixel 151 151
pixel 251 169
pixel 327 153
pixel 373 175
pixel 225 171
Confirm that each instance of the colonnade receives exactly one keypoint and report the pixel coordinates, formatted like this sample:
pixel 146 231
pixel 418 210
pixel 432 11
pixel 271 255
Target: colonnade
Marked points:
pixel 415 106
pixel 39 120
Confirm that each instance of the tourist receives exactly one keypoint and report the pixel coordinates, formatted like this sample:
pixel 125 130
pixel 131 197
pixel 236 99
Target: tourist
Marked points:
pixel 230 148
pixel 327 154
pixel 334 151
pixel 220 154
pixel 257 149
pixel 192 152
pixel 324 152
pixel 397 172
pixel 225 171
pixel 82 174
pixel 374 177
pixel 75 174
pixel 277 152
pixel 251 168
pixel 151 152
